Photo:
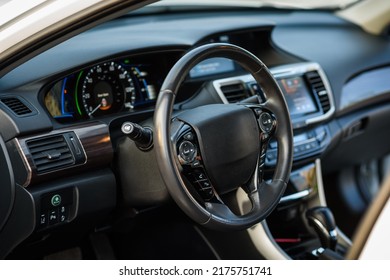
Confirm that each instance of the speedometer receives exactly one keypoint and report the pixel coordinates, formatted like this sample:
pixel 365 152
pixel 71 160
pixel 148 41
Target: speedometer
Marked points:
pixel 105 89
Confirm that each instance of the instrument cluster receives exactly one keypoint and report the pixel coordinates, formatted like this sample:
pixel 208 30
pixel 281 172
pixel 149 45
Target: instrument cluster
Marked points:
pixel 100 90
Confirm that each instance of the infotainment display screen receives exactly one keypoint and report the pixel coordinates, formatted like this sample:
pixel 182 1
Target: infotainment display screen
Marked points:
pixel 298 98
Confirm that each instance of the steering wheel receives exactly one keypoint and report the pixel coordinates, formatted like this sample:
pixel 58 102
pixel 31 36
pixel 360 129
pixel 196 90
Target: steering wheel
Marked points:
pixel 212 150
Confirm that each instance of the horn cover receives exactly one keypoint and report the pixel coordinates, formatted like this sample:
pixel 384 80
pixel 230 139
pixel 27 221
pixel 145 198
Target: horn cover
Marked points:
pixel 228 137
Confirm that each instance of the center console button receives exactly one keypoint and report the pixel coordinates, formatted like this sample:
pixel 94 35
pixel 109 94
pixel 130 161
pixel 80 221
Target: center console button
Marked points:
pixel 314 145
pixel 320 134
pixel 273 144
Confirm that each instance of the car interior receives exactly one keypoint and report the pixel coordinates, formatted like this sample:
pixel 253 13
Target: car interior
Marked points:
pixel 198 130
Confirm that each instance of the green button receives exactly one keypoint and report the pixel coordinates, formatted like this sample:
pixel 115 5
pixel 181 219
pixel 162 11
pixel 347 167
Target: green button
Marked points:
pixel 56 200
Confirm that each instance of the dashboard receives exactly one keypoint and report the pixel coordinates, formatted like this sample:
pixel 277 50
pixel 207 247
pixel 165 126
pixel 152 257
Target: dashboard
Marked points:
pixel 75 96
pixel 121 86
pixel 79 84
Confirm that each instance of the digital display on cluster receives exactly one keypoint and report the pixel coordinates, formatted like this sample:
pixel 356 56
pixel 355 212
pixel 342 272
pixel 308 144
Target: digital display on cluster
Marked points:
pixel 212 66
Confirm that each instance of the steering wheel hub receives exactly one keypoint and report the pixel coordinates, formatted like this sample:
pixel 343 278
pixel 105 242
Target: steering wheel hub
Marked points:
pixel 228 137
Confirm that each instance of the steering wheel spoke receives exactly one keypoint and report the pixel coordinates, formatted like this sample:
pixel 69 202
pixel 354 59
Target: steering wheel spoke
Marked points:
pixel 190 160
pixel 221 210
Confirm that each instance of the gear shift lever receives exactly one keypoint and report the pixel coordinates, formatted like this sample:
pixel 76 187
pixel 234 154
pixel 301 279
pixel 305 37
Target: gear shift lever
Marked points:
pixel 322 220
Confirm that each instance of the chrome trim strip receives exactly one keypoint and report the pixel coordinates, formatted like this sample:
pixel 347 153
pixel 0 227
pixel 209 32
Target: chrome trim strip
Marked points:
pixel 19 149
pixel 332 109
pixel 332 233
pixel 295 197
pixel 321 201
pixel 260 234
pixel 320 184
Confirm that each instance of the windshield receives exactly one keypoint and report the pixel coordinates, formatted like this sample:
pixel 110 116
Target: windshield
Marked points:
pixel 286 4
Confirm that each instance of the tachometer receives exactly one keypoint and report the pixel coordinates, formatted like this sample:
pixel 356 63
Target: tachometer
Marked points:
pixel 105 89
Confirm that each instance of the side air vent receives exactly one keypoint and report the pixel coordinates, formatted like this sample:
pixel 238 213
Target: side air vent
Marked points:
pixel 16 106
pixel 319 89
pixel 235 92
pixel 55 152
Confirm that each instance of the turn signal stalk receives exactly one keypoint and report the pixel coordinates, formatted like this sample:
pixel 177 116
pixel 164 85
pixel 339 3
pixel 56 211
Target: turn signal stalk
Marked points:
pixel 142 136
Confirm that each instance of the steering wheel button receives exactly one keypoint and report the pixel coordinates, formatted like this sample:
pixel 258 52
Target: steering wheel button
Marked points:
pixel 195 163
pixel 207 193
pixel 200 176
pixel 205 184
pixel 271 155
pixel 189 136
pixel 266 122
pixel 187 151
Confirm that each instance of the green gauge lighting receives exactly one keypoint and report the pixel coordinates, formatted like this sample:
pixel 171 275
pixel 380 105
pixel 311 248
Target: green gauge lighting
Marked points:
pixel 77 90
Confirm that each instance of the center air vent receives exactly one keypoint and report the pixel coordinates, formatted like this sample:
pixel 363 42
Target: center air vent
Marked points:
pixel 235 92
pixel 319 89
pixel 55 152
pixel 16 106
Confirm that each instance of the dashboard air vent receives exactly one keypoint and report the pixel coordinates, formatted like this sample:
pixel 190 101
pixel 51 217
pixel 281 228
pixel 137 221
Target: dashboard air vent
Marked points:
pixel 16 106
pixel 50 153
pixel 319 89
pixel 235 92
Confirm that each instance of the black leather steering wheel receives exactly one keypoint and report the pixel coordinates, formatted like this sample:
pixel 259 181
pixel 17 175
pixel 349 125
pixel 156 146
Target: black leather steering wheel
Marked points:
pixel 211 150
